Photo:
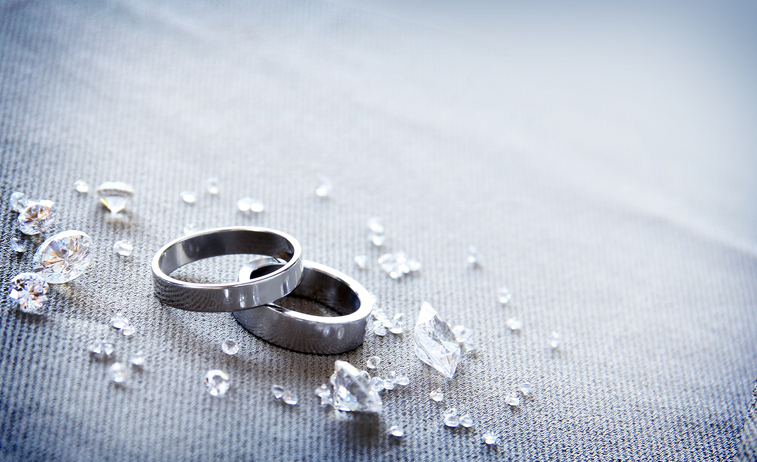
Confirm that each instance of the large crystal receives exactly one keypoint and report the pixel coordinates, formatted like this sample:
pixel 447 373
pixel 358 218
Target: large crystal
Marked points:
pixel 63 257
pixel 435 344
pixel 28 291
pixel 115 195
pixel 352 392
pixel 37 217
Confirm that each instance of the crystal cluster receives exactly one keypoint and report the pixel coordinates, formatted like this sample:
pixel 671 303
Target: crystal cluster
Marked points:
pixel 398 264
pixel 217 382
pixel 435 343
pixel 352 391
pixel 248 205
pixel 382 323
pixel 28 291
pixel 63 257
pixel 115 195
pixel 101 349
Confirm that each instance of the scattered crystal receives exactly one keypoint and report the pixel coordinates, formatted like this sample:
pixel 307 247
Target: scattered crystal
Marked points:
pixel 435 344
pixel 190 228
pixel 466 421
pixel 514 324
pixel 108 348
pixel 289 397
pixel 230 347
pixel 397 326
pixel 554 340
pixel 512 399
pixel 28 291
pixel 123 248
pixel 379 329
pixel 503 295
pixel 352 392
pixel 388 384
pixel 373 362
pixel 377 383
pixel 17 245
pixel 396 431
pixel 138 359
pixel 119 321
pixel 437 395
pixel 377 239
pixel 188 197
pixel 472 256
pixel 365 375
pixel 490 438
pixel 217 382
pixel 323 390
pixel 413 265
pixel 211 186
pixel 525 388
pixel 450 418
pixel 63 257
pixel 461 333
pixel 362 261
pixel 380 315
pixel 37 217
pixel 97 348
pixel 19 201
pixel 247 204
pixel 278 391
pixel 114 195
pixel 127 331
pixel 119 372
pixel 391 377
pixel 402 379
pixel 324 189
pixel 375 226
pixel 81 187
pixel 397 264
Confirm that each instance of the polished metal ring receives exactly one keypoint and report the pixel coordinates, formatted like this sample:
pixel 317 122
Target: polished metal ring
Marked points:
pixel 232 296
pixel 307 333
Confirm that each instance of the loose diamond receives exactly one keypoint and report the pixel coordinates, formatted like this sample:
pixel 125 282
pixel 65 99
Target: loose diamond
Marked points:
pixel 379 315
pixel 190 228
pixel 323 189
pixel 373 362
pixel 365 375
pixel 138 359
pixel 323 390
pixel 402 379
pixel 397 326
pixel 127 331
pixel 512 399
pixel 37 217
pixel 436 395
pixel 277 391
pixel 123 248
pixel 466 421
pixel 353 392
pixel 28 291
pixel 289 397
pixel 211 186
pixel 435 344
pixel 188 197
pixel 247 205
pixel 391 377
pixel 377 239
pixel 503 295
pixel 388 384
pixel 450 418
pixel 217 382
pixel 17 245
pixel 379 329
pixel 396 431
pixel 377 383
pixel 108 348
pixel 19 201
pixel 63 257
pixel 230 347
pixel 114 195
pixel 362 262
pixel 81 187
pixel 119 372
pixel 119 321
pixel 96 348
pixel 514 324
pixel 397 264
pixel 472 257
pixel 461 333
pixel 554 340
pixel 525 388
pixel 375 226
pixel 490 438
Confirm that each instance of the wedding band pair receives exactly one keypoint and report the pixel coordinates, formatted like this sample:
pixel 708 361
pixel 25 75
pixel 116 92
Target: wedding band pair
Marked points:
pixel 276 270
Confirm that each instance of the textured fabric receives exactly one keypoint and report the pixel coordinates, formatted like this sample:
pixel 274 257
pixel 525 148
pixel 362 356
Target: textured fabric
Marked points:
pixel 607 180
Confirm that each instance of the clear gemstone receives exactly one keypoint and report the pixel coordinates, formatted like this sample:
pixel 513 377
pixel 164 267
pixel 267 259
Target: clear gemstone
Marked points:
pixel 115 195
pixel 380 315
pixel 119 372
pixel 217 382
pixel 525 388
pixel 37 217
pixel 402 379
pixel 468 348
pixel 17 245
pixel 119 321
pixel 28 291
pixel 362 261
pixel 247 205
pixel 379 329
pixel 375 226
pixel 435 344
pixel 352 392
pixel 365 375
pixel 326 400
pixel 277 391
pixel 472 256
pixel 63 257
pixel 466 421
pixel 190 228
pixel 230 347
pixel 138 359
pixel 188 197
pixel 396 431
pixel 391 377
pixel 323 189
pixel 436 395
pixel 19 201
pixel 490 438
pixel 512 399
pixel 123 248
pixel 373 362
pixel 554 340
pixel 323 390
pixel 96 348
pixel 514 324
pixel 211 186
pixel 397 326
pixel 108 348
pixel 81 186
pixel 451 418
pixel 503 295
pixel 377 239
pixel 388 384
pixel 377 383
pixel 289 397
pixel 461 333
pixel 127 331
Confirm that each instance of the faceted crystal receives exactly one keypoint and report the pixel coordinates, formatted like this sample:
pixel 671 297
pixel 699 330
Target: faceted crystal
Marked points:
pixel 362 262
pixel 514 324
pixel 28 291
pixel 373 362
pixel 123 248
pixel 503 295
pixel 188 197
pixel 17 245
pixel 119 321
pixel 436 395
pixel 138 359
pixel 277 391
pixel 127 331
pixel 19 201
pixel 114 195
pixel 490 438
pixel 375 226
pixel 248 204
pixel 289 397
pixel 217 382
pixel 37 217
pixel 211 186
pixel 435 344
pixel 554 340
pixel 323 390
pixel 365 375
pixel 377 383
pixel 379 315
pixel 230 347
pixel 119 372
pixel 461 333
pixel 472 257
pixel 326 400
pixel 525 388
pixel 512 399
pixel 63 257
pixel 388 383
pixel 81 187
pixel 391 377
pixel 402 379
pixel 379 329
pixel 353 392
pixel 466 421
pixel 451 418
pixel 324 188
pixel 396 431
pixel 397 326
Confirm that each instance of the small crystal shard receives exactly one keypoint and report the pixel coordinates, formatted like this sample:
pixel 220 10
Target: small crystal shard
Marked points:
pixel 391 377
pixel 402 379
pixel 377 383
pixel 461 333
pixel 250 205
pixel 525 388
pixel 127 331
pixel 37 217
pixel 362 262
pixel 211 186
pixel 81 187
pixel 554 340
pixel 377 239
pixel 352 392
pixel 324 188
pixel 472 257
pixel 451 418
pixel 277 391
pixel 28 291
pixel 123 248
pixel 115 195
pixel 323 390
pixel 514 324
pixel 138 359
pixel 17 245
pixel 468 348
pixel 375 226
pixel 96 348
pixel 396 431
pixel 512 399
pixel 188 197
pixel 119 372
pixel 379 329
pixel 326 400
pixel 289 397
pixel 119 321
pixel 435 344
pixel 63 257
pixel 217 382
pixel 19 201
pixel 373 362
pixel 436 395
pixel 466 421
pixel 230 347
pixel 397 264
pixel 108 348
pixel 490 438
pixel 503 295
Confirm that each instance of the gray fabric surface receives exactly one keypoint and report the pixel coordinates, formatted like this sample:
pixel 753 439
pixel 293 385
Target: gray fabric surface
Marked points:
pixel 607 180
